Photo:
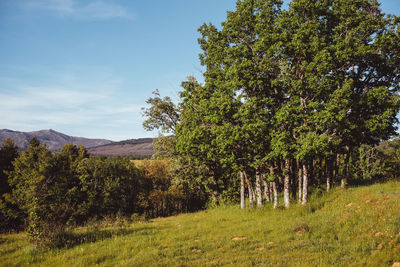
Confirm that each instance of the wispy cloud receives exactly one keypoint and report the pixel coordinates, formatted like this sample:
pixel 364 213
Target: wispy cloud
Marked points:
pixel 50 97
pixel 95 105
pixel 94 10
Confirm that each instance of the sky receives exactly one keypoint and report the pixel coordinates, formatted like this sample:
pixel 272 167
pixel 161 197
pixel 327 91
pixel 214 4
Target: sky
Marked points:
pixel 86 67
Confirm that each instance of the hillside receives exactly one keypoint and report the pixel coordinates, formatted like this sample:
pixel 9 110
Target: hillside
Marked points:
pixel 353 227
pixel 142 147
pixel 54 140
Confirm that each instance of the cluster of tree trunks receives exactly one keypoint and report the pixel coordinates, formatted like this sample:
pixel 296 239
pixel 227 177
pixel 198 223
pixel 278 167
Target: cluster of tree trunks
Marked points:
pixel 293 177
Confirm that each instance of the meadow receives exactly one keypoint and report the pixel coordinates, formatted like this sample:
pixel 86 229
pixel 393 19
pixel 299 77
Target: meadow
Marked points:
pixel 358 226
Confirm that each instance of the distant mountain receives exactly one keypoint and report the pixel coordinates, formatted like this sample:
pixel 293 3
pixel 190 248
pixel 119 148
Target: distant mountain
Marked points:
pixel 54 140
pixel 142 147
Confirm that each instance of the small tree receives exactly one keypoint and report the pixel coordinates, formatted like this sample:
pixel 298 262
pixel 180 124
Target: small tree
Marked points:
pixel 10 216
pixel 31 179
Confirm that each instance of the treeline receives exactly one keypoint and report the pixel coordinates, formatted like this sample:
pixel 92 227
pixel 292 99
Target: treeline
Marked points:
pixel 45 192
pixel 290 99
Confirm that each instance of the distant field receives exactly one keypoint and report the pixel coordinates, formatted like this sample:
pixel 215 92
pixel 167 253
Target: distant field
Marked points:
pixel 135 147
pixel 355 227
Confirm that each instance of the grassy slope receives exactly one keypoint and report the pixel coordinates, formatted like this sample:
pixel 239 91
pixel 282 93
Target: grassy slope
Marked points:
pixel 355 227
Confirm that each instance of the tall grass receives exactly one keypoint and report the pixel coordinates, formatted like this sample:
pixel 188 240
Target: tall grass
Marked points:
pixel 352 227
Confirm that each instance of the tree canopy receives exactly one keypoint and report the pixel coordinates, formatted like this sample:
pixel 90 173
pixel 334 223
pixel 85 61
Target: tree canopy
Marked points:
pixel 286 90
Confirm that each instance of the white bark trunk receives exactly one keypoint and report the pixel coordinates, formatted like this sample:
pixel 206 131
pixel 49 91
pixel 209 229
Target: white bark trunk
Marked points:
pixel 286 184
pixel 345 176
pixel 300 180
pixel 274 189
pixel 328 184
pixel 329 173
pixel 242 191
pixel 258 189
pixel 337 169
pixel 276 203
pixel 305 184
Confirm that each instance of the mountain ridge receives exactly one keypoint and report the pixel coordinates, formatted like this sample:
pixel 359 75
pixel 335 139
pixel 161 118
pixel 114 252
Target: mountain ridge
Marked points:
pixel 56 140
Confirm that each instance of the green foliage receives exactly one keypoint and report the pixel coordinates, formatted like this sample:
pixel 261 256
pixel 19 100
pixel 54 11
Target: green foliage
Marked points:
pixel 31 170
pixel 377 163
pixel 54 192
pixel 8 152
pixel 10 215
pixel 391 154
pixel 165 194
pixel 36 232
pixel 108 186
pixel 370 164
pixel 32 176
pixel 46 189
pixel 161 114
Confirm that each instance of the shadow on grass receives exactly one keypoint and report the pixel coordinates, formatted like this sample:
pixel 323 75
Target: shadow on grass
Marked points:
pixel 69 239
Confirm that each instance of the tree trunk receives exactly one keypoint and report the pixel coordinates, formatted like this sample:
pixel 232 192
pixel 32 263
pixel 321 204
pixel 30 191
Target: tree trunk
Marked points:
pixel 321 170
pixel 274 189
pixel 286 184
pixel 293 173
pixel 280 166
pixel 337 165
pixel 329 171
pixel 310 172
pixel 267 190
pixel 346 159
pixel 305 184
pixel 242 191
pixel 252 196
pixel 300 179
pixel 258 188
pixel 271 192
pixel 276 203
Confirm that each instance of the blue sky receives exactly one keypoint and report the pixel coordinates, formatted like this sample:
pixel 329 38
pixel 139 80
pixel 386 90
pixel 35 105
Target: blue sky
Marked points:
pixel 86 67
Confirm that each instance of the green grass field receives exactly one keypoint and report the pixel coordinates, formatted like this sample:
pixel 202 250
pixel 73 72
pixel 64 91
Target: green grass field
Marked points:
pixel 352 227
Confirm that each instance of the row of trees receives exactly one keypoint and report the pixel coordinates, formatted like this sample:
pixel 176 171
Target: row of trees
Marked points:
pixel 46 192
pixel 289 96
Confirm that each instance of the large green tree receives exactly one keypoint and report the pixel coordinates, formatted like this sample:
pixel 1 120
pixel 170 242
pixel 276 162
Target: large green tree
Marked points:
pixel 291 90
